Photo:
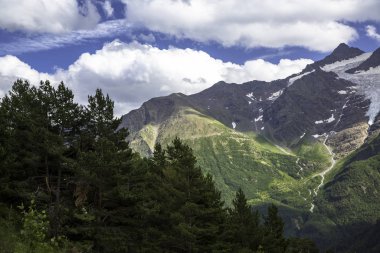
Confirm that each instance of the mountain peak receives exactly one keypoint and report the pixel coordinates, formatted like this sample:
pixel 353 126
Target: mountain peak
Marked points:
pixel 342 52
pixel 342 46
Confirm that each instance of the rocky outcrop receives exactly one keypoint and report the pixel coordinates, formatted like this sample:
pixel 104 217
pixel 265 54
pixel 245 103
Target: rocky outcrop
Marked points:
pixel 348 140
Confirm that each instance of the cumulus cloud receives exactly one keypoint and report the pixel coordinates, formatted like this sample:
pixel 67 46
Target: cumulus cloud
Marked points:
pixel 133 73
pixel 313 24
pixel 11 68
pixel 51 16
pixel 371 32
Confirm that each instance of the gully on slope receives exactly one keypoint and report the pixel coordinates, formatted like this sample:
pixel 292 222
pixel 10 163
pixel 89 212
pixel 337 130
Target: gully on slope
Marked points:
pixel 323 173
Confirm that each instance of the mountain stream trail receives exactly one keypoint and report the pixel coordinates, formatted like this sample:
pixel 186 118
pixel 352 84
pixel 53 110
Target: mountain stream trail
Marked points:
pixel 301 169
pixel 323 173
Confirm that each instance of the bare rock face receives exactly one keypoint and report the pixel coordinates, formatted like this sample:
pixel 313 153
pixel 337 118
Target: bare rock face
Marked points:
pixel 348 140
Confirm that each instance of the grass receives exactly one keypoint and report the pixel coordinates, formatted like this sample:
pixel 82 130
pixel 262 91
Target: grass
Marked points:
pixel 247 160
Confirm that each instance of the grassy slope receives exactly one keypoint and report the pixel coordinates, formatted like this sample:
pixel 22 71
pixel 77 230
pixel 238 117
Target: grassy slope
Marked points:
pixel 352 195
pixel 265 172
pixel 348 204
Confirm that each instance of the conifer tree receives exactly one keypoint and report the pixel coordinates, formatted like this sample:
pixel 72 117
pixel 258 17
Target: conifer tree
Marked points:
pixel 197 207
pixel 243 231
pixel 273 240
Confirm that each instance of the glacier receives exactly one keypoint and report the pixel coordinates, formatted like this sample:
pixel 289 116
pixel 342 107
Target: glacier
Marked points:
pixel 367 82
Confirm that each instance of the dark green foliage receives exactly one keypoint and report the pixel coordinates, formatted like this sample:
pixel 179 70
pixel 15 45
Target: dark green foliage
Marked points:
pixel 94 194
pixel 243 230
pixel 301 245
pixel 273 240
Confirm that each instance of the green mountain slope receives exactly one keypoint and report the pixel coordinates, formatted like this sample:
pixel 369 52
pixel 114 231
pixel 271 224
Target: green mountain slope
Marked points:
pixel 266 173
pixel 348 204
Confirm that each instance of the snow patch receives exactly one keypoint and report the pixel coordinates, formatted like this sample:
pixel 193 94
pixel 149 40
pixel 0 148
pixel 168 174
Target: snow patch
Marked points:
pixel 262 128
pixel 341 113
pixel 260 118
pixel 329 120
pixel 342 92
pixel 275 95
pixel 233 125
pixel 293 79
pixel 250 95
pixel 303 135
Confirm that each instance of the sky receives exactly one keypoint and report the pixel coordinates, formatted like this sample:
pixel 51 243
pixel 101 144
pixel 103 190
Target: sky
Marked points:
pixel 138 49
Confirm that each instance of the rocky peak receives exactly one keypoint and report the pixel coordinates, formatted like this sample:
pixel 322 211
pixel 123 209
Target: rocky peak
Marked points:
pixel 342 52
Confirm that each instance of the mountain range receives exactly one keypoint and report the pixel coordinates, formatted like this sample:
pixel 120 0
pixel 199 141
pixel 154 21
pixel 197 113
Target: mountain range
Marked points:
pixel 309 143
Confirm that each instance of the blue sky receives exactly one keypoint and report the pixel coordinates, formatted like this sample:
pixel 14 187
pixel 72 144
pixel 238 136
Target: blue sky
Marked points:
pixel 136 49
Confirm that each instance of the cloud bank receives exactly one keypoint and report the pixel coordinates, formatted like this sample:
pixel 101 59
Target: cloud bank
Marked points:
pixel 313 24
pixel 133 73
pixel 50 16
pixel 318 25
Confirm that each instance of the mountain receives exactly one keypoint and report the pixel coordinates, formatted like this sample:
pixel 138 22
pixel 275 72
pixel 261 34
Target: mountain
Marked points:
pixel 372 62
pixel 296 142
pixel 342 52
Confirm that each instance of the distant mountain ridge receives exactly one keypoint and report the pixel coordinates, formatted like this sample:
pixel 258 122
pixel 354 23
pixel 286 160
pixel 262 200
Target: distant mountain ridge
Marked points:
pixel 281 110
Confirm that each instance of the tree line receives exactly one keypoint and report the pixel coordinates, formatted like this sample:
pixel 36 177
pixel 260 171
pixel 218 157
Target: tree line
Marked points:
pixel 69 182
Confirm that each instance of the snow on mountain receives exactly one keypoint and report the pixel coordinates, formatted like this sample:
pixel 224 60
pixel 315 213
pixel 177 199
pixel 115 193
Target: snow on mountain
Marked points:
pixel 329 120
pixel 275 95
pixel 368 82
pixel 293 79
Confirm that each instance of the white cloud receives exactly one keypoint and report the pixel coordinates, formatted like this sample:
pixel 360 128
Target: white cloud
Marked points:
pixel 51 16
pixel 266 71
pixel 133 73
pixel 48 41
pixel 107 7
pixel 314 24
pixel 11 68
pixel 371 32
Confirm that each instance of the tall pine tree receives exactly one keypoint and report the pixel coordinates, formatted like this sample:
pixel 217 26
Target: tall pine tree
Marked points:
pixel 243 231
pixel 273 240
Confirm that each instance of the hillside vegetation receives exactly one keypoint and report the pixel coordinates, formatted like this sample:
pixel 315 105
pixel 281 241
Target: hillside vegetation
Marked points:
pixel 69 182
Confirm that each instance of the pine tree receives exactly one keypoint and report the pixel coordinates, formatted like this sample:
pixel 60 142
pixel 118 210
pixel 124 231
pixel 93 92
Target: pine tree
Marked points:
pixel 21 110
pixel 197 209
pixel 273 240
pixel 107 170
pixel 243 231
